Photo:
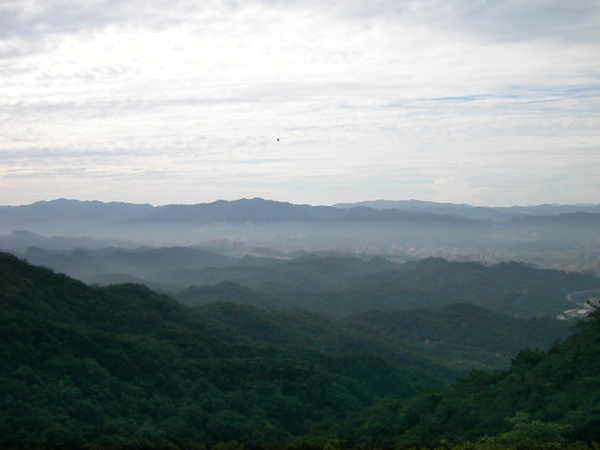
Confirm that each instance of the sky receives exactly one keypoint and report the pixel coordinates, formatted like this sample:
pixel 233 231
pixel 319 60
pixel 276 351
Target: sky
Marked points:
pixel 486 102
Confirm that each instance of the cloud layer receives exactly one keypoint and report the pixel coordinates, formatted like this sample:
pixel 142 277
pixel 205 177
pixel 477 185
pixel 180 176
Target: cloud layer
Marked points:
pixel 473 101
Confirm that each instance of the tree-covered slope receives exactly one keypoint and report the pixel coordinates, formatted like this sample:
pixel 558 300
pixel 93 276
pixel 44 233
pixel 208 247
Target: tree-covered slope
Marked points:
pixel 123 367
pixel 284 278
pixel 338 287
pixel 443 342
pixel 509 288
pixel 459 336
pixel 331 285
pixel 304 330
pixel 546 400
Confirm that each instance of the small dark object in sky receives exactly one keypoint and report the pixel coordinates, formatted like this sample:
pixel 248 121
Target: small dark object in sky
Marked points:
pixel 277 139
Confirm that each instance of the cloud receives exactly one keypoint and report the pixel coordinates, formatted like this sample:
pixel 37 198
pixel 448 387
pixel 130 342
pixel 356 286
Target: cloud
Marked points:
pixel 514 20
pixel 405 92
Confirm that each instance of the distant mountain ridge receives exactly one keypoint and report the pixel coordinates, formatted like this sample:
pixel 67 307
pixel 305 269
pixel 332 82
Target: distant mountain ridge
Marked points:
pixel 261 210
pixel 73 216
pixel 341 226
pixel 119 264
pixel 258 210
pixel 73 209
pixel 495 213
pixel 20 241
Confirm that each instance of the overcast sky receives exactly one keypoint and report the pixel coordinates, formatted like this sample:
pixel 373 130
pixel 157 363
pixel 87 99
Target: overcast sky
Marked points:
pixel 487 102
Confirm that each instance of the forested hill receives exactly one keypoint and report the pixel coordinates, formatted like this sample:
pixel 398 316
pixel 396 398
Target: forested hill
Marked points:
pixel 331 285
pixel 459 337
pixel 123 367
pixel 547 400
pixel 306 283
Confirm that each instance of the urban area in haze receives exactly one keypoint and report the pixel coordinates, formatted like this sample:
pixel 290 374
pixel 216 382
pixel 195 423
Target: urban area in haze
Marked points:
pixel 299 225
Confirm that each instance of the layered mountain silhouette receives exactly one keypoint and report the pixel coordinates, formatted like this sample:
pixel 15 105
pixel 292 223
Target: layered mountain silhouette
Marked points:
pixel 398 228
pixel 497 213
pixel 258 210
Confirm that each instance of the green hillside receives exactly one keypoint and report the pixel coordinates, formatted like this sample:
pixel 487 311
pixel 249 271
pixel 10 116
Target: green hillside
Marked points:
pixel 547 400
pixel 338 287
pixel 459 336
pixel 123 367
pixel 330 285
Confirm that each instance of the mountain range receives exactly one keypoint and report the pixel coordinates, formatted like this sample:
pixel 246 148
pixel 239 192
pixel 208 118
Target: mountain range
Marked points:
pixel 494 213
pixel 259 210
pixel 297 226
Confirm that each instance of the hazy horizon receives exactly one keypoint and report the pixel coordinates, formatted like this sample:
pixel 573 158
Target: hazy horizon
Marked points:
pixel 484 103
pixel 309 204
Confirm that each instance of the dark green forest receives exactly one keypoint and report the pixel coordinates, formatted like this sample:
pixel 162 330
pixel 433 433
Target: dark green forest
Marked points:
pixel 332 285
pixel 545 400
pixel 125 367
pixel 337 287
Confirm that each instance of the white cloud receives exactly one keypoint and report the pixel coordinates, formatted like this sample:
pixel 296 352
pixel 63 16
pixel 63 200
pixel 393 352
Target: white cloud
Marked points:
pixel 361 92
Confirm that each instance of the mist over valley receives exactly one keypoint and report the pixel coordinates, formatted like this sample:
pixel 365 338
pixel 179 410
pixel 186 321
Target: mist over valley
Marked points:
pixel 545 235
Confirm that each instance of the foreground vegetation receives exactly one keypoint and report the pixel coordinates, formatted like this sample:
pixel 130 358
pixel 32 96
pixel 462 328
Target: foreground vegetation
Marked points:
pixel 124 367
